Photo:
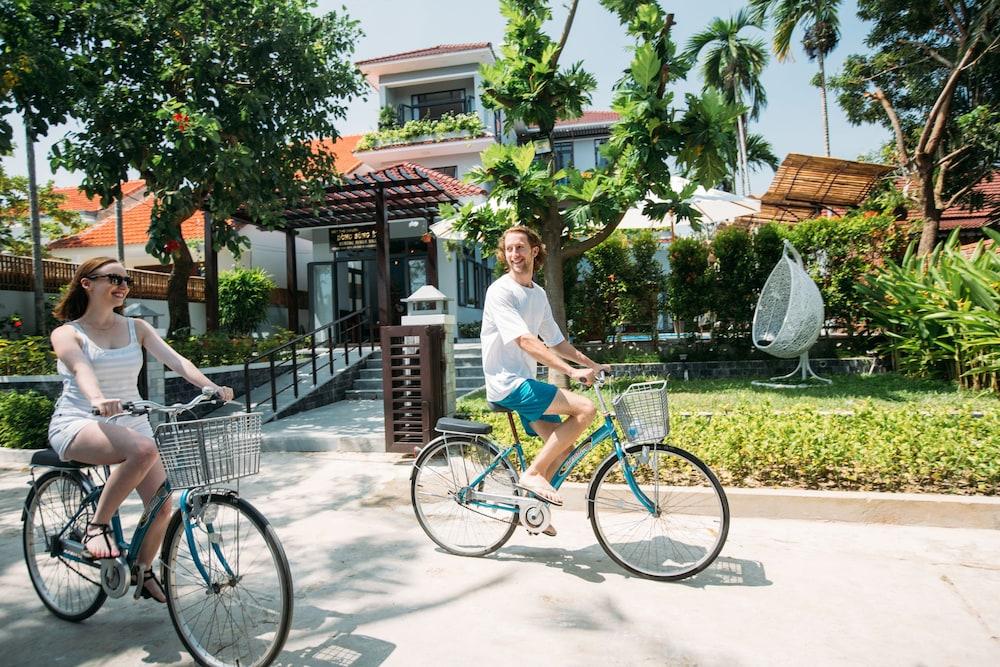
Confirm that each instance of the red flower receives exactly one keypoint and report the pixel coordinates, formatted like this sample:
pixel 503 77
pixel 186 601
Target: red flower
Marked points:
pixel 182 120
pixel 172 246
pixel 17 324
pixel 427 237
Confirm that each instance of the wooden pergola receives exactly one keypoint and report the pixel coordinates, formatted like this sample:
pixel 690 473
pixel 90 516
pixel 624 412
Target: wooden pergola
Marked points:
pixel 401 192
pixel 806 186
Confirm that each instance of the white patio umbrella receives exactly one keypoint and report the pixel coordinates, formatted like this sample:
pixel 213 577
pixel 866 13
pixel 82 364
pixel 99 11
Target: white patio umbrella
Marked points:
pixel 715 206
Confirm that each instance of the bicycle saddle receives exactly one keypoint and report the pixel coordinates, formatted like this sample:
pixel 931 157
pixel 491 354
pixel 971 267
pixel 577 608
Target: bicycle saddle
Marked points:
pixel 49 459
pixel 496 408
pixel 451 425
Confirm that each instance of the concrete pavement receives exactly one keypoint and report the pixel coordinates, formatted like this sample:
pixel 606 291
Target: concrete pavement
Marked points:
pixel 371 589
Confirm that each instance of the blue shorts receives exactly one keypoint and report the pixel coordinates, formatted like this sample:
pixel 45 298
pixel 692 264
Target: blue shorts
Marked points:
pixel 530 400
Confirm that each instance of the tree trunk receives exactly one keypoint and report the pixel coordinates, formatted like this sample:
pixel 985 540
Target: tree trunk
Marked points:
pixel 41 325
pixel 741 132
pixel 552 238
pixel 822 97
pixel 119 229
pixel 177 301
pixel 929 210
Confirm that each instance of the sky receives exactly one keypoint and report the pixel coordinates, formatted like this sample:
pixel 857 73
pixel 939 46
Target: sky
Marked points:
pixel 791 122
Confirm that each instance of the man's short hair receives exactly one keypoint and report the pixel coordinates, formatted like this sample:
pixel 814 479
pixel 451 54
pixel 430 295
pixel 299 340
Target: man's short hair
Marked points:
pixel 534 240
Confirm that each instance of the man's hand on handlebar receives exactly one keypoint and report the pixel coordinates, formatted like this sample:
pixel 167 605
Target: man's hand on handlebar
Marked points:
pixel 584 376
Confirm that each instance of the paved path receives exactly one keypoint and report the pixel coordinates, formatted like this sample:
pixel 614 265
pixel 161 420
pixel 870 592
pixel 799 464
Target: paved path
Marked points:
pixel 371 589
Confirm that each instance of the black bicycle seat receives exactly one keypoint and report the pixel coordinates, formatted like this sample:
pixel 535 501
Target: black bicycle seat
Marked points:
pixel 497 408
pixel 451 425
pixel 48 458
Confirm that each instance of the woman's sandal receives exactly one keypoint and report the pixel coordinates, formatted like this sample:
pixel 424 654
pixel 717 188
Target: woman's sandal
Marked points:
pixel 143 592
pixel 542 490
pixel 103 531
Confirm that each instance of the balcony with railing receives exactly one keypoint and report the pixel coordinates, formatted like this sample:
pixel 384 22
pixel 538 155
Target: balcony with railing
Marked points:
pixel 434 109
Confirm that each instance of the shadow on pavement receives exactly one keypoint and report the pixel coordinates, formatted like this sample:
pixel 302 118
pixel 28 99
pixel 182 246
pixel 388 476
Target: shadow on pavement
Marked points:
pixel 591 564
pixel 344 650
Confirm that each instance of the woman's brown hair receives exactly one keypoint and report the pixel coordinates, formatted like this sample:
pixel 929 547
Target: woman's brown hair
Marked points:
pixel 73 303
pixel 534 240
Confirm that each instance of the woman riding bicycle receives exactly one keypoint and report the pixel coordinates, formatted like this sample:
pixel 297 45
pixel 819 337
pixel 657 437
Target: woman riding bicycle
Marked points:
pixel 99 357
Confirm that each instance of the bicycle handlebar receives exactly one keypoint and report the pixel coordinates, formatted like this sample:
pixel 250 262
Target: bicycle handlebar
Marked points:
pixel 143 407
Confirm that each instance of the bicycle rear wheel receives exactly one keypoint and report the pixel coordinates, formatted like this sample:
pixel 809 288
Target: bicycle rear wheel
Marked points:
pixel 71 590
pixel 689 522
pixel 441 473
pixel 242 613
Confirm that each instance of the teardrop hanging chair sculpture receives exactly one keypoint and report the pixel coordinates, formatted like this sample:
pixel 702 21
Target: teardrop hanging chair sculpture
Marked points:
pixel 789 317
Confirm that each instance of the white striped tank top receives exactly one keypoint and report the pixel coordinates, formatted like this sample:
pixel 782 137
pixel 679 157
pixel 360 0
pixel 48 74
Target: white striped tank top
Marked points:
pixel 117 371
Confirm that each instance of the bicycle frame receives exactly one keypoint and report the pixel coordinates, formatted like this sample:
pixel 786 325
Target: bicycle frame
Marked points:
pixel 604 432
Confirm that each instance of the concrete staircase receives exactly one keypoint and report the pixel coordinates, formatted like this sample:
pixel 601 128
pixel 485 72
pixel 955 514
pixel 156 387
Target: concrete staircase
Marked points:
pixel 468 374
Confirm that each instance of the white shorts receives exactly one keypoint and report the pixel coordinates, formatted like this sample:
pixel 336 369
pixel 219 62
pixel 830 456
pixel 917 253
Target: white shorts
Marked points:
pixel 67 422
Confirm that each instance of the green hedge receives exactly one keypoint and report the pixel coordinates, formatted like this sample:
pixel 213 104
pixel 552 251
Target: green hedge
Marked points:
pixel 30 355
pixel 24 419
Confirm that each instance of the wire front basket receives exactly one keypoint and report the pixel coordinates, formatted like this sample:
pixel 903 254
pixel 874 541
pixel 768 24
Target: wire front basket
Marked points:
pixel 642 412
pixel 209 451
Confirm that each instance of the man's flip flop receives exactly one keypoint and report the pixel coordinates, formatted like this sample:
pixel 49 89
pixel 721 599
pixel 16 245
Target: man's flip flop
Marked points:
pixel 546 493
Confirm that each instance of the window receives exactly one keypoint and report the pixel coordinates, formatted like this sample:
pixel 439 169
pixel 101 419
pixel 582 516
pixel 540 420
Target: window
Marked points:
pixel 434 105
pixel 563 153
pixel 448 171
pixel 473 278
pixel 599 160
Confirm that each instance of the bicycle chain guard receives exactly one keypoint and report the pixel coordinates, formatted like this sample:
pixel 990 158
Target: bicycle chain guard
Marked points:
pixel 115 577
pixel 535 517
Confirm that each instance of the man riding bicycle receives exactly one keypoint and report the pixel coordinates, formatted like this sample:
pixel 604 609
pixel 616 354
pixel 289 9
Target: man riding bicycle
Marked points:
pixel 518 331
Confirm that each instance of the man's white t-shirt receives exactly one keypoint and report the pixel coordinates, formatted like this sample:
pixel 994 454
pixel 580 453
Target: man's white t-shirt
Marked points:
pixel 512 311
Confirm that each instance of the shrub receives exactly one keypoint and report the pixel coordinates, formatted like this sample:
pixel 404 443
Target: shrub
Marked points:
pixel 689 282
pixel 220 349
pixel 465 122
pixel 469 329
pixel 28 355
pixel 941 313
pixel 24 419
pixel 244 295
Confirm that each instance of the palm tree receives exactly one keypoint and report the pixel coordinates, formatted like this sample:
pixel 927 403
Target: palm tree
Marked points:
pixel 822 33
pixel 733 65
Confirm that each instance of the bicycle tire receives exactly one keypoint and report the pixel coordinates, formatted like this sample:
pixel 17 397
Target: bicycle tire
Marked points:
pixel 688 532
pixel 195 605
pixel 61 584
pixel 458 528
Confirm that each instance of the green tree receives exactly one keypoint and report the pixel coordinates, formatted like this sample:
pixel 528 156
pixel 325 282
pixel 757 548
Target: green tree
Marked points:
pixel 819 20
pixel 214 103
pixel 732 65
pixel 689 281
pixel 733 276
pixel 933 80
pixel 40 78
pixel 574 211
pixel 15 216
pixel 604 306
pixel 244 295
pixel 647 285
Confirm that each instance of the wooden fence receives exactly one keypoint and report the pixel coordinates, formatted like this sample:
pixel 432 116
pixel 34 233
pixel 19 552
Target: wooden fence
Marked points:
pixel 17 273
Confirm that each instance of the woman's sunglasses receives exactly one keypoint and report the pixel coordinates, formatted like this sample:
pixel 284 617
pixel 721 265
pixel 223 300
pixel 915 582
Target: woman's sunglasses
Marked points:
pixel 113 278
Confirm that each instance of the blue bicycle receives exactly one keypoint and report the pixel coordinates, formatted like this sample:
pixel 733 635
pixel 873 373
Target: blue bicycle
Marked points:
pixel 657 510
pixel 224 572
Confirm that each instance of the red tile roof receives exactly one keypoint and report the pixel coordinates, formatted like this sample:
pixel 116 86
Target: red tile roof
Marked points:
pixel 77 199
pixel 135 227
pixel 452 186
pixel 970 248
pixel 343 151
pixel 957 216
pixel 590 118
pixel 432 51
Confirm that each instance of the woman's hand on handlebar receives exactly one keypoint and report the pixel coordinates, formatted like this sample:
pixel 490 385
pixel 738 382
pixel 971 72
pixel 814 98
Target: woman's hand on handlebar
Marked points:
pixel 106 407
pixel 224 393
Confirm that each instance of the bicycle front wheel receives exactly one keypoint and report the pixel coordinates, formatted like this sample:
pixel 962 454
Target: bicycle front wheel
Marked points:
pixel 70 589
pixel 229 587
pixel 443 499
pixel 685 526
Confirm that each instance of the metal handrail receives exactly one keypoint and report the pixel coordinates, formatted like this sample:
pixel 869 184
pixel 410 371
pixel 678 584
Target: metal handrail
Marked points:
pixel 350 328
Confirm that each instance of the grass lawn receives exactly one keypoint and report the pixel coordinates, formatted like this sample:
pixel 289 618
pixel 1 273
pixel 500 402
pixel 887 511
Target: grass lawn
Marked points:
pixel 883 432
